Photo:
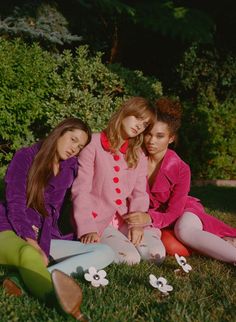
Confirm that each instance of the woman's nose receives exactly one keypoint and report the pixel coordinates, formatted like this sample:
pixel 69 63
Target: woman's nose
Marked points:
pixel 150 139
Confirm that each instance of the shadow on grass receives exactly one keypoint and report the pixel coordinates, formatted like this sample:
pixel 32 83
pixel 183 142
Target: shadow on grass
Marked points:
pixel 216 198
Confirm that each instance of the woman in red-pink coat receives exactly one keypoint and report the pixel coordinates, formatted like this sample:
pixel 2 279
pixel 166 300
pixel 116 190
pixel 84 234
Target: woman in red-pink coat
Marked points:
pixel 169 185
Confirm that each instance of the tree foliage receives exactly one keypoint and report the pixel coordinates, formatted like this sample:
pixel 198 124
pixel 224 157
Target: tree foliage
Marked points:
pixel 36 21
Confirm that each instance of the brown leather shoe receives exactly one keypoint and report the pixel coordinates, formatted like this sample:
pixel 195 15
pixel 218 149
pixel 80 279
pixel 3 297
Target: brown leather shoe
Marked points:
pixel 69 294
pixel 11 288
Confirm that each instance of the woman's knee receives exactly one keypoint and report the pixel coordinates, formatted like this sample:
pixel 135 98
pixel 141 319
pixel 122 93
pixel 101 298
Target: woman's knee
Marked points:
pixel 129 256
pixel 28 254
pixel 158 253
pixel 185 225
pixel 161 253
pixel 154 253
pixel 104 251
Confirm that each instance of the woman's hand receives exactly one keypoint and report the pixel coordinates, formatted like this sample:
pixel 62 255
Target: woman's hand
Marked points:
pixel 34 244
pixel 138 218
pixel 90 238
pixel 135 235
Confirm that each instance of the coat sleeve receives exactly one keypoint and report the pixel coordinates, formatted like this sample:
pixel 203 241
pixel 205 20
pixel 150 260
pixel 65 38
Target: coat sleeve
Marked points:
pixel 176 203
pixel 81 192
pixel 16 182
pixel 139 198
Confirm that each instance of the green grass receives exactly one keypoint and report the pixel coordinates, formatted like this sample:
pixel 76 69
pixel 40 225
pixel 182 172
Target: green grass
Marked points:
pixel 207 293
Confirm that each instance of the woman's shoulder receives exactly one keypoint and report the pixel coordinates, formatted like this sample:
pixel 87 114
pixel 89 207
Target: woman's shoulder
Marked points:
pixel 92 147
pixel 27 152
pixel 96 137
pixel 173 165
pixel 174 158
pixel 95 142
pixel 22 160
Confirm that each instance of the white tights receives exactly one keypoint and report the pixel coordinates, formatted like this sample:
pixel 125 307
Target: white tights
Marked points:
pixel 150 249
pixel 189 230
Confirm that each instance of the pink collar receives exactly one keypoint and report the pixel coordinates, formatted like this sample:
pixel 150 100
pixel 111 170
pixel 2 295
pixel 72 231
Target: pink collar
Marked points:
pixel 106 144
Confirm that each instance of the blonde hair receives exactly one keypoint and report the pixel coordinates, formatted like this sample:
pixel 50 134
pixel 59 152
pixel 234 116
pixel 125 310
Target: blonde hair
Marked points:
pixel 140 108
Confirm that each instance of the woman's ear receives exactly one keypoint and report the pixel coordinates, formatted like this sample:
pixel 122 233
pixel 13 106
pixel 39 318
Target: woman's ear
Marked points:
pixel 172 139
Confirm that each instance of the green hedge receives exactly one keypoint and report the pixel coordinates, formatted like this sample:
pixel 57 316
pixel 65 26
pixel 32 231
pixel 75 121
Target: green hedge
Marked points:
pixel 208 136
pixel 38 89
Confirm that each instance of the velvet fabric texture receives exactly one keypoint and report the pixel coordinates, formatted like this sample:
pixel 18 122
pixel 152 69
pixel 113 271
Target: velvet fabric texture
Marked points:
pixel 14 213
pixel 169 198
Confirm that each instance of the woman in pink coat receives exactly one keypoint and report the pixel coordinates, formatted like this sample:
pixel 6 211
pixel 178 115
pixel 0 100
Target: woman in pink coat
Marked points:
pixel 111 183
pixel 169 185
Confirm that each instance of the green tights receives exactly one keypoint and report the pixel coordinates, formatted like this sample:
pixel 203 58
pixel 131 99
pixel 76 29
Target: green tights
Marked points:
pixel 16 252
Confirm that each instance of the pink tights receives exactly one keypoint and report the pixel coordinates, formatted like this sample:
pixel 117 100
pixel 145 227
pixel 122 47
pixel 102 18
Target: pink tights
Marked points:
pixel 189 230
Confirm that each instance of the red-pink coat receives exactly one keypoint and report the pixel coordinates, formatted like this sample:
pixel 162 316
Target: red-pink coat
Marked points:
pixel 105 186
pixel 169 197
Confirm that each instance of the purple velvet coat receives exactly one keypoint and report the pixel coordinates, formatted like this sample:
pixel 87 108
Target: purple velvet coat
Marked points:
pixel 14 213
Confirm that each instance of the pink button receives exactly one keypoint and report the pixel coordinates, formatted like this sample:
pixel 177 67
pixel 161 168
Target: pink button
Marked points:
pixel 117 168
pixel 118 190
pixel 116 157
pixel 116 180
pixel 118 202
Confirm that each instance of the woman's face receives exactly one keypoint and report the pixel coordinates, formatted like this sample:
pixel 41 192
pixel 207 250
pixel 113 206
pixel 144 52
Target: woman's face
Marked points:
pixel 132 126
pixel 158 139
pixel 71 143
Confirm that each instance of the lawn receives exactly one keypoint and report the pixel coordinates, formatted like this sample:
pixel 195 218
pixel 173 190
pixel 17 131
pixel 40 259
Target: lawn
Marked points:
pixel 207 293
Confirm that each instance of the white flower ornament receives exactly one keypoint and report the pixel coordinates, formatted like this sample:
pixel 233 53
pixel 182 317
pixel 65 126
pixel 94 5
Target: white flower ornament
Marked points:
pixel 181 260
pixel 96 278
pixel 160 283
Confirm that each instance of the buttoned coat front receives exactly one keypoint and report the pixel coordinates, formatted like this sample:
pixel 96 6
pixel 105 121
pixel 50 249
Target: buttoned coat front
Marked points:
pixel 106 186
pixel 169 198
pixel 14 213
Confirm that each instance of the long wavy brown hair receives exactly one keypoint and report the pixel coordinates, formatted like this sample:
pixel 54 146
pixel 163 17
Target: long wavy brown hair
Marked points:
pixel 140 108
pixel 41 169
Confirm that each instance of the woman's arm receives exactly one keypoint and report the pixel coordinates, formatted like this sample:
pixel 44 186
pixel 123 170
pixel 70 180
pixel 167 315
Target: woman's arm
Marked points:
pixel 81 192
pixel 16 182
pixel 176 203
pixel 139 198
pixel 138 203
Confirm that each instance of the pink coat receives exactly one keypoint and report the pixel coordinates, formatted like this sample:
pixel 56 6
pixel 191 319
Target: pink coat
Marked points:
pixel 106 186
pixel 169 197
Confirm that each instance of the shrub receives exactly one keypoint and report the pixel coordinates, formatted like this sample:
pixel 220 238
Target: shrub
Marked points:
pixel 208 142
pixel 38 89
pixel 24 87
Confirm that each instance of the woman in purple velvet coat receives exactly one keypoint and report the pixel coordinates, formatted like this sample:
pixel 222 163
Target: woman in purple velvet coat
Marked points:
pixel 37 181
